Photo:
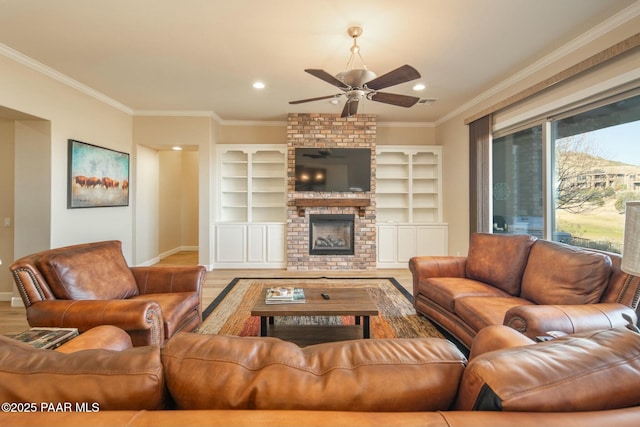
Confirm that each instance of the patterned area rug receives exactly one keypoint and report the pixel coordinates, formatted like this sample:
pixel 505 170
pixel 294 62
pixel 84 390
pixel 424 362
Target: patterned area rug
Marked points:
pixel 229 313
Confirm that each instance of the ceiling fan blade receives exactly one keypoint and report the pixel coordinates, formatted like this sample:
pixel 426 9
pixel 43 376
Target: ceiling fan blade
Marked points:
pixel 402 74
pixel 323 75
pixel 300 101
pixel 350 108
pixel 395 99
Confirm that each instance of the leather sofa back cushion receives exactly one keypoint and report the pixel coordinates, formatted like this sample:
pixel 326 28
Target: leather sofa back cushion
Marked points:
pixel 113 380
pixel 89 273
pixel 592 371
pixel 560 274
pixel 225 372
pixel 498 260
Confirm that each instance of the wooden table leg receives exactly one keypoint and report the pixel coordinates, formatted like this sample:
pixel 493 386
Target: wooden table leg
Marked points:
pixel 366 330
pixel 263 326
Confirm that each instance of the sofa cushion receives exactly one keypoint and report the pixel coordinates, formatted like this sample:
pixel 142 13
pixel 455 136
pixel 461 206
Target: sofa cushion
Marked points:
pixel 592 371
pixel 445 291
pixel 225 372
pixel 480 312
pixel 561 274
pixel 102 379
pixel 499 259
pixel 98 271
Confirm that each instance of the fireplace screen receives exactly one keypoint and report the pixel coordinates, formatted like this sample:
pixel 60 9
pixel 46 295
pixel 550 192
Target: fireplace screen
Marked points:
pixel 331 234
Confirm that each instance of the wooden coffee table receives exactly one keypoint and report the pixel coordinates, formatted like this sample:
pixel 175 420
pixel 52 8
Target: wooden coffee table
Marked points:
pixel 343 302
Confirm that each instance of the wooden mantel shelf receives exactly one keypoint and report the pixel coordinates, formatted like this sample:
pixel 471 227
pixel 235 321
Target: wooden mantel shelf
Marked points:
pixel 301 204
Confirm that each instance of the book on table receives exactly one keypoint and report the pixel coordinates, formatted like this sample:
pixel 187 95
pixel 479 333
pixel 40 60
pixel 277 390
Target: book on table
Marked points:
pixel 46 338
pixel 285 295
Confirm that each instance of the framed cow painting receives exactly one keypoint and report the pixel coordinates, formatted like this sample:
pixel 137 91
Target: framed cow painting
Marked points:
pixel 97 176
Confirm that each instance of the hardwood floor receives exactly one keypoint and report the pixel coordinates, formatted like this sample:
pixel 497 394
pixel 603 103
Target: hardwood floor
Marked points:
pixel 13 319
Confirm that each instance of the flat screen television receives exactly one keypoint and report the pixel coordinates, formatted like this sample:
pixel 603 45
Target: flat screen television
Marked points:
pixel 333 169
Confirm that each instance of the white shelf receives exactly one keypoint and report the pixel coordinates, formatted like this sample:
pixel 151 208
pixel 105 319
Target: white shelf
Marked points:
pixel 408 184
pixel 253 183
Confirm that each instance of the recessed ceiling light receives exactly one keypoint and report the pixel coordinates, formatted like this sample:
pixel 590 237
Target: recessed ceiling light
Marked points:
pixel 176 148
pixel 419 86
pixel 258 85
pixel 335 101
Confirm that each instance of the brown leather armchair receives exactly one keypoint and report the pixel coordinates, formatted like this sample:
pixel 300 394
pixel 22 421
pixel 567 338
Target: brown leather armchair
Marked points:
pixel 90 284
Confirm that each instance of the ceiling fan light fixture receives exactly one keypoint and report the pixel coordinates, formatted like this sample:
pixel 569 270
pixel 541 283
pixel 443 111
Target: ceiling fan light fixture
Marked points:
pixel 420 86
pixel 359 84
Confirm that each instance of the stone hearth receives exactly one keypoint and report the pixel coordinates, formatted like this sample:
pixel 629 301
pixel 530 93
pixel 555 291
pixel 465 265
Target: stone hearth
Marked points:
pixel 330 131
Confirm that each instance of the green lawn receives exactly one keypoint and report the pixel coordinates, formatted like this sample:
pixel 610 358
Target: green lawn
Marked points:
pixel 601 224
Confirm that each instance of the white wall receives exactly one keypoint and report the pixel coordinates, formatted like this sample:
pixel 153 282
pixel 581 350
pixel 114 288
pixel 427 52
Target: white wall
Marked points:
pixel 7 139
pixel 72 114
pixel 147 215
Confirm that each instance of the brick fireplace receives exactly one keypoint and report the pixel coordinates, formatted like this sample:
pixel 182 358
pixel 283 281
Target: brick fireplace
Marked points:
pixel 330 131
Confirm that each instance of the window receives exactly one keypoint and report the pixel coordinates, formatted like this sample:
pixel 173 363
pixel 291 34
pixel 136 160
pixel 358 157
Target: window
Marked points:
pixel 517 183
pixel 596 160
pixel 594 169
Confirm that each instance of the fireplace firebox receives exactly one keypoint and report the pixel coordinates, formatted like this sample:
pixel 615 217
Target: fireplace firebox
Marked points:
pixel 331 234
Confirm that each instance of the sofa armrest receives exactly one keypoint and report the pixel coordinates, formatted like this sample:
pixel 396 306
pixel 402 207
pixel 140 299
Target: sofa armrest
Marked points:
pixel 104 337
pixel 157 280
pixel 130 315
pixel 537 320
pixel 438 266
pixel 423 267
pixel 497 337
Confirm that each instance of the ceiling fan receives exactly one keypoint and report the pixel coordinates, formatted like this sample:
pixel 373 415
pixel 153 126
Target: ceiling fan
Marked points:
pixel 360 83
pixel 322 154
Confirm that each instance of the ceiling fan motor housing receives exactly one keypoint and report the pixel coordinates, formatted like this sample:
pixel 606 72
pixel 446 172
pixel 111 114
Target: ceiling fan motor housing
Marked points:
pixel 356 77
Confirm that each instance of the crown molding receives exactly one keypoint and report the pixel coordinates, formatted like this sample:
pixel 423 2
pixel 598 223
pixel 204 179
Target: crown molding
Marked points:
pixel 62 78
pixel 253 123
pixel 406 124
pixel 173 113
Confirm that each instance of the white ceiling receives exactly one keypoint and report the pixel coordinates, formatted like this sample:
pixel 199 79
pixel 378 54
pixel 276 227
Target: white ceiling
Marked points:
pixel 202 56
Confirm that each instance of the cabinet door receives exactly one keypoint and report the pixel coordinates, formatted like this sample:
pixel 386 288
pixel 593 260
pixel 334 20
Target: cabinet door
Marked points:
pixel 230 243
pixel 256 243
pixel 276 243
pixel 406 242
pixel 387 243
pixel 431 240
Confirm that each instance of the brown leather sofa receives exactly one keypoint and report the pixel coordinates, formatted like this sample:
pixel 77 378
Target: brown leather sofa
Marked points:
pixel 532 285
pixel 86 285
pixel 588 379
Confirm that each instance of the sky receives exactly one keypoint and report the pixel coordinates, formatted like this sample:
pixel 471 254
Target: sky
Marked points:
pixel 620 143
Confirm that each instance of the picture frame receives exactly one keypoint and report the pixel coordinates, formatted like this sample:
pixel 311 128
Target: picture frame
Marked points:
pixel 97 176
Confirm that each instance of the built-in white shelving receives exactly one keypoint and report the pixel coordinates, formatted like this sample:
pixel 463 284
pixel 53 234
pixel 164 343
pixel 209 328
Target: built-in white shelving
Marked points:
pixel 409 203
pixel 252 206
pixel 253 183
